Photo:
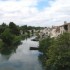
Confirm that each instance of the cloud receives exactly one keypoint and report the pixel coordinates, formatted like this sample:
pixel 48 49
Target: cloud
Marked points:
pixel 55 14
pixel 26 12
pixel 11 10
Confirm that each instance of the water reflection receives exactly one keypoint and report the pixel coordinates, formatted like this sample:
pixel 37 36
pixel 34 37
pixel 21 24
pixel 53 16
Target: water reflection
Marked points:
pixel 42 59
pixel 22 59
pixel 7 51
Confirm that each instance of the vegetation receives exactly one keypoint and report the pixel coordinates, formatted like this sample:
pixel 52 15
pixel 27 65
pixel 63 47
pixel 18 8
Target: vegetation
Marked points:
pixel 11 36
pixel 14 29
pixel 57 52
pixel 44 44
pixel 7 37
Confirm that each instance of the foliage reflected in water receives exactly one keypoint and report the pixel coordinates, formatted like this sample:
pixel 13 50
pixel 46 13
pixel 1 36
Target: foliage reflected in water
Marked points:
pixel 42 58
pixel 8 50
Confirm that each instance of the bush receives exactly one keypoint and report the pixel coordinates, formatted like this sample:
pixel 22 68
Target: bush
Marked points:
pixel 59 53
pixel 17 40
pixel 23 37
pixel 1 44
pixel 44 44
pixel 7 37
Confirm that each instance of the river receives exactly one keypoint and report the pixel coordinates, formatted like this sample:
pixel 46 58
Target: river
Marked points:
pixel 23 58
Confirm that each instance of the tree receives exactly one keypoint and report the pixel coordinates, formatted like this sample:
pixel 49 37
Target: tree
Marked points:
pixel 14 29
pixel 44 44
pixel 2 27
pixel 3 24
pixel 7 37
pixel 59 53
pixel 32 32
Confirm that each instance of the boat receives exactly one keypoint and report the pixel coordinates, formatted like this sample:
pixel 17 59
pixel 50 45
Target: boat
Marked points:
pixel 34 48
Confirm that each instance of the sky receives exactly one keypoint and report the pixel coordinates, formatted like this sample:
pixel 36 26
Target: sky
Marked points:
pixel 35 12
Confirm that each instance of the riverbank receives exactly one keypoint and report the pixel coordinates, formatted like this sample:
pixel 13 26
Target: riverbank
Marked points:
pixel 56 52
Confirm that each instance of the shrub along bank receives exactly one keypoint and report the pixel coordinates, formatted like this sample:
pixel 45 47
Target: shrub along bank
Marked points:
pixel 57 52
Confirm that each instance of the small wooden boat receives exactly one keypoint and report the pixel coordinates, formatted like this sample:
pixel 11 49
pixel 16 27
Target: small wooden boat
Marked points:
pixel 35 40
pixel 34 48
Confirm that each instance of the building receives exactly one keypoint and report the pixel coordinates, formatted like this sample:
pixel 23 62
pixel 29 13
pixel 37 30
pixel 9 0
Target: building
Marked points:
pixel 57 30
pixel 54 31
pixel 65 28
pixel 44 32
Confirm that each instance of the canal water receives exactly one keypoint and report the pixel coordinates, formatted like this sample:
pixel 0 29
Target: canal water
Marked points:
pixel 23 58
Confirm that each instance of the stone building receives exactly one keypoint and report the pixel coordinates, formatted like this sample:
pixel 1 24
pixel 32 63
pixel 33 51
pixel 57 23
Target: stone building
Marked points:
pixel 65 28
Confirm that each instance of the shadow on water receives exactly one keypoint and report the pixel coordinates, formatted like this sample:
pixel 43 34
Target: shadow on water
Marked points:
pixel 42 59
pixel 8 50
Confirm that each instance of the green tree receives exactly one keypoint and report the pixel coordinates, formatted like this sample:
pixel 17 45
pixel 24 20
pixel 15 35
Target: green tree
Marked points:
pixel 59 53
pixel 7 37
pixel 32 32
pixel 14 29
pixel 3 27
pixel 44 44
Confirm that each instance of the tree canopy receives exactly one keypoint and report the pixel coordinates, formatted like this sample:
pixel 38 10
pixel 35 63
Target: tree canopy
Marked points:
pixel 58 53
